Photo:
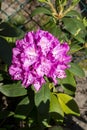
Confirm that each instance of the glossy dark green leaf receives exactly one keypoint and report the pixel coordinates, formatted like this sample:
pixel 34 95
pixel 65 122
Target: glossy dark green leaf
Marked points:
pixel 55 30
pixel 74 48
pixel 43 95
pixel 13 90
pixel 5 51
pixel 72 25
pixel 42 102
pixel 7 30
pixel 75 27
pixel 76 70
pixel 73 13
pixel 69 83
pixel 40 10
pixel 80 36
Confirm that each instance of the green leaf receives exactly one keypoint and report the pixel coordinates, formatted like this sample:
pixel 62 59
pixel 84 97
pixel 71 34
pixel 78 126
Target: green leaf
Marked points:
pixel 42 101
pixel 13 90
pixel 32 117
pixel 75 2
pixel 23 108
pixel 7 30
pixel 5 51
pixel 69 83
pixel 42 0
pixel 75 27
pixel 68 104
pixel 56 128
pixel 11 39
pixel 4 75
pixel 40 10
pixel 72 25
pixel 55 109
pixel 5 114
pixel 74 48
pixel 80 36
pixel 76 70
pixel 43 95
pixel 1 77
pixel 46 124
pixel 55 30
pixel 73 13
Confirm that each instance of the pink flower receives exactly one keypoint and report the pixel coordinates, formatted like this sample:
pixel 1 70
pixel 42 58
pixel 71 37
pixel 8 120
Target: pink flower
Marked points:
pixel 44 67
pixel 37 55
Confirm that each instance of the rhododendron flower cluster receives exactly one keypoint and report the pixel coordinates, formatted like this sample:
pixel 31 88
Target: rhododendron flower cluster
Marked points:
pixel 37 55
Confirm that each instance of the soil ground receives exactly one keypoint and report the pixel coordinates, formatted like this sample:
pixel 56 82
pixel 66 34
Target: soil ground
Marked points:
pixel 79 123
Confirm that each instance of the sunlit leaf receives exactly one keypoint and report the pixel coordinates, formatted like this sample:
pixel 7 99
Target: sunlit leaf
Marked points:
pixel 68 104
pixel 75 2
pixel 41 0
pixel 56 109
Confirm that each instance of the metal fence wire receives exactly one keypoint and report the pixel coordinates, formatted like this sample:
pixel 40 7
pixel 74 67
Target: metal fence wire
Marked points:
pixel 15 10
pixel 83 7
pixel 10 8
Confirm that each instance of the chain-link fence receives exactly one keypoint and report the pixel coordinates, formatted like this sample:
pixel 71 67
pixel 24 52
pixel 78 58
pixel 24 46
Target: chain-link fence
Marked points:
pixel 18 11
pixel 10 8
pixel 83 7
